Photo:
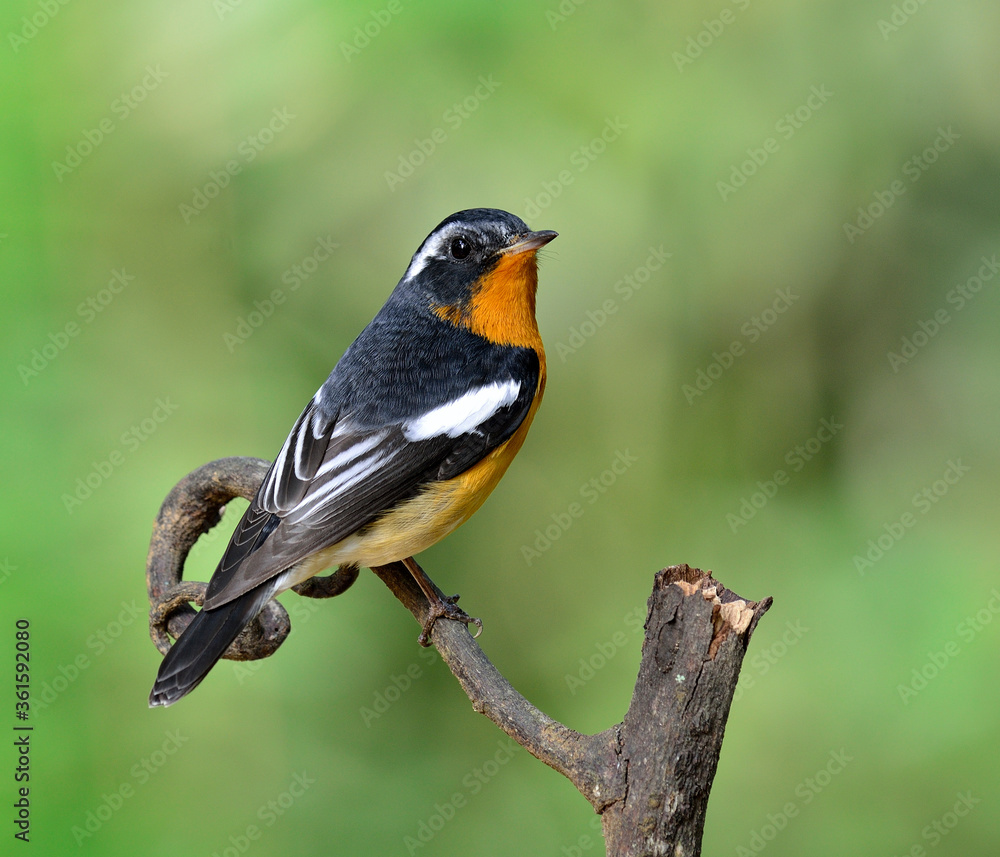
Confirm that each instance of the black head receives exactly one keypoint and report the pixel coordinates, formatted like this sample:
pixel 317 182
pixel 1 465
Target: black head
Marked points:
pixel 463 248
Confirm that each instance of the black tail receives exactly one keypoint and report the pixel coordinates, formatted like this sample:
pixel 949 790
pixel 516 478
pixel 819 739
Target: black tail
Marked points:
pixel 199 648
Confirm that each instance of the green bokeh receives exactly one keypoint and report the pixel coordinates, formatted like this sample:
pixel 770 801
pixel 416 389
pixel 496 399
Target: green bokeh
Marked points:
pixel 825 667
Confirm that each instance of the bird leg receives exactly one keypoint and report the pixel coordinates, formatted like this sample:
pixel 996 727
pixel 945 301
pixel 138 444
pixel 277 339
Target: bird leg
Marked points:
pixel 438 607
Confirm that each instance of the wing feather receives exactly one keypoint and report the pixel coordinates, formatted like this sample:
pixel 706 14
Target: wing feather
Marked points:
pixel 334 475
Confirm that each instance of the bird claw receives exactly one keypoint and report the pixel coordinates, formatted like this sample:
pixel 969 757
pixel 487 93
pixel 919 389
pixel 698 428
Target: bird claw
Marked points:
pixel 447 608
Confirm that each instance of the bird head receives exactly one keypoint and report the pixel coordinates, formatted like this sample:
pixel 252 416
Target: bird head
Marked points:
pixel 477 269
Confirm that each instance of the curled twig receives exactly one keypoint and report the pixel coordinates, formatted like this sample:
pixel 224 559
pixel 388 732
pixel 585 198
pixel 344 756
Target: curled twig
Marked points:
pixel 192 508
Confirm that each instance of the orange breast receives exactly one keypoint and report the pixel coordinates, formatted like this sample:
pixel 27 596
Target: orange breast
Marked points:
pixel 502 304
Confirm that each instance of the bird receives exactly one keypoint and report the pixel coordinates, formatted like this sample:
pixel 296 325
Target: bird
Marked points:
pixel 402 443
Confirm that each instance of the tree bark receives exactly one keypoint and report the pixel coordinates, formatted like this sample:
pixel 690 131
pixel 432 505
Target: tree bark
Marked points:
pixel 697 633
pixel 649 776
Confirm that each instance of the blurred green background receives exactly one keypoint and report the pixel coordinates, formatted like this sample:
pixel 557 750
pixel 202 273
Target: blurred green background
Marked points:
pixel 759 205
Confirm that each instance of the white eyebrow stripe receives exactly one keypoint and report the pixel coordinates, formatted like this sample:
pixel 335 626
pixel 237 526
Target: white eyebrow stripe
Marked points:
pixel 463 414
pixel 419 262
pixel 435 244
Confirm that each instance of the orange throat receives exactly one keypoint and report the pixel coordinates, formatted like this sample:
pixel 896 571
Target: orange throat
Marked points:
pixel 502 305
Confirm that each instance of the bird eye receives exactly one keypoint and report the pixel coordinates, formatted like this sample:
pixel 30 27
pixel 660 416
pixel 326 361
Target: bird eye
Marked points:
pixel 460 248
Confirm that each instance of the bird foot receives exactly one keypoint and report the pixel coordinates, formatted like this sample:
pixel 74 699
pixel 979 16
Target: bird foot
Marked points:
pixel 446 608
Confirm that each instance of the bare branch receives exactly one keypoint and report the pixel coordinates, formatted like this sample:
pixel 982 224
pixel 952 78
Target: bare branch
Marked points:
pixel 585 760
pixel 649 775
pixel 697 633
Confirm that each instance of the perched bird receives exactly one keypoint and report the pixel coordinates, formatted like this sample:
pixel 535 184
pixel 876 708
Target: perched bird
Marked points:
pixel 403 442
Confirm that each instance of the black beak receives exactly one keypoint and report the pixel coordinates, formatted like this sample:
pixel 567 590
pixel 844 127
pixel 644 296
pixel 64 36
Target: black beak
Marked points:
pixel 530 241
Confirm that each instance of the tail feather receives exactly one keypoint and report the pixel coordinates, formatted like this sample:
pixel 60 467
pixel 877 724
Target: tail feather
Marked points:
pixel 205 641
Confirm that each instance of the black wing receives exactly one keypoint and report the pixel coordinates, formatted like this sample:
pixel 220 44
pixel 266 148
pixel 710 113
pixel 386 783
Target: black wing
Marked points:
pixel 334 476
